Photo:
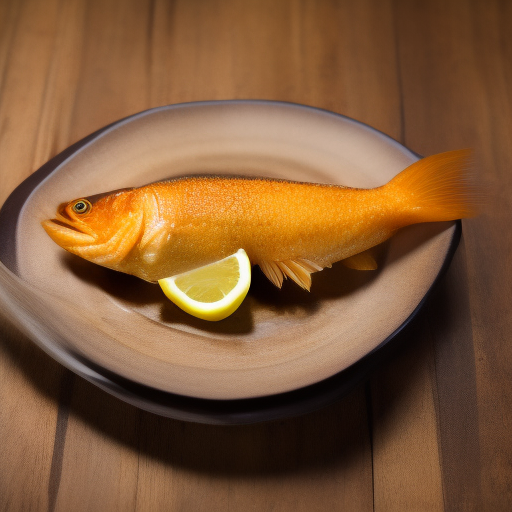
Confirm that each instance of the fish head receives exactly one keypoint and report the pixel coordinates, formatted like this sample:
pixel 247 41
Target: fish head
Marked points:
pixel 102 228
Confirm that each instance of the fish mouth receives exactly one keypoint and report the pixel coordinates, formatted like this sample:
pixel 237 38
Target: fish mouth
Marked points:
pixel 65 234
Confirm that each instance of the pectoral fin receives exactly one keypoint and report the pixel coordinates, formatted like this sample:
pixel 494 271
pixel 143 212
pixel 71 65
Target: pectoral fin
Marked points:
pixel 298 270
pixel 363 261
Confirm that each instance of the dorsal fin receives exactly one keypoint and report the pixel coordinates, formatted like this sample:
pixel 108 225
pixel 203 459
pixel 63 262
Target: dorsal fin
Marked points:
pixel 298 270
pixel 363 261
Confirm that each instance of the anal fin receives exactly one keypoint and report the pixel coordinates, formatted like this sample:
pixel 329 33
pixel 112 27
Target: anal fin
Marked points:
pixel 363 261
pixel 298 270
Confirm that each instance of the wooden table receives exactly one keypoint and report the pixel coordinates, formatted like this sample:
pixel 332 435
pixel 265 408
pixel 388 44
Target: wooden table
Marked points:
pixel 431 429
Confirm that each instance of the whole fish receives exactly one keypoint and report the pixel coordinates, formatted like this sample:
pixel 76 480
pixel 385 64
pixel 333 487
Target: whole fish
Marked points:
pixel 289 229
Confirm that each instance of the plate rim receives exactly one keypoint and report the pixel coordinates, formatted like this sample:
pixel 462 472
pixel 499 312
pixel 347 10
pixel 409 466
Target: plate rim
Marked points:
pixel 203 410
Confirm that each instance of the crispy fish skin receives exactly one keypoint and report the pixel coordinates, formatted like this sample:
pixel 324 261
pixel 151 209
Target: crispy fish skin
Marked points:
pixel 290 229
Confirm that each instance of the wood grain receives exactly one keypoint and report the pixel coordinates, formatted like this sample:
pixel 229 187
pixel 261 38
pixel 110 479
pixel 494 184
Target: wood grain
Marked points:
pixel 432 429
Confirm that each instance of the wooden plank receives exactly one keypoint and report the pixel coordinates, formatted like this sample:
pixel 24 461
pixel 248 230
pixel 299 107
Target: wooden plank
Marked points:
pixel 349 61
pixel 30 382
pixel 9 16
pixel 29 40
pixel 61 83
pixel 449 322
pixel 29 393
pixel 100 456
pixel 455 56
pixel 406 465
pixel 488 268
pixel 113 76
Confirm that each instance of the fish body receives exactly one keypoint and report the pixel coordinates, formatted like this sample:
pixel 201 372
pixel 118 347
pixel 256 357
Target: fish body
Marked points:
pixel 289 229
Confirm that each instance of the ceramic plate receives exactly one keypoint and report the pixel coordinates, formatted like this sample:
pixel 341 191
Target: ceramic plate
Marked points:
pixel 284 351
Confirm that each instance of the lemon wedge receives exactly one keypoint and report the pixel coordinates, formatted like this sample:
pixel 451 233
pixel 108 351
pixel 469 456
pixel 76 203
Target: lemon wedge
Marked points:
pixel 212 292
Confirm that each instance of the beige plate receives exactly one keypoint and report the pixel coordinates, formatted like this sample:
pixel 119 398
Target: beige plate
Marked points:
pixel 89 317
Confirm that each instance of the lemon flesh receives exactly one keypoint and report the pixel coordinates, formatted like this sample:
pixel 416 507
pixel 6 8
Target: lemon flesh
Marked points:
pixel 212 292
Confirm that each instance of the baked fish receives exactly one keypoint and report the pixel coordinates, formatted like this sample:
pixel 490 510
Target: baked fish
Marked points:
pixel 290 229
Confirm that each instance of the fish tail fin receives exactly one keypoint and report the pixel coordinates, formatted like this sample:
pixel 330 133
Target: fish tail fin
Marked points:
pixel 439 188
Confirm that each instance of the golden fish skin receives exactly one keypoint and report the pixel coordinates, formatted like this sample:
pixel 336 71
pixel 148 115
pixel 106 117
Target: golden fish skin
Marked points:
pixel 289 229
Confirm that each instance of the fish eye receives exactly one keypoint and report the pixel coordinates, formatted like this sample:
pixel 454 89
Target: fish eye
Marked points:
pixel 82 206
